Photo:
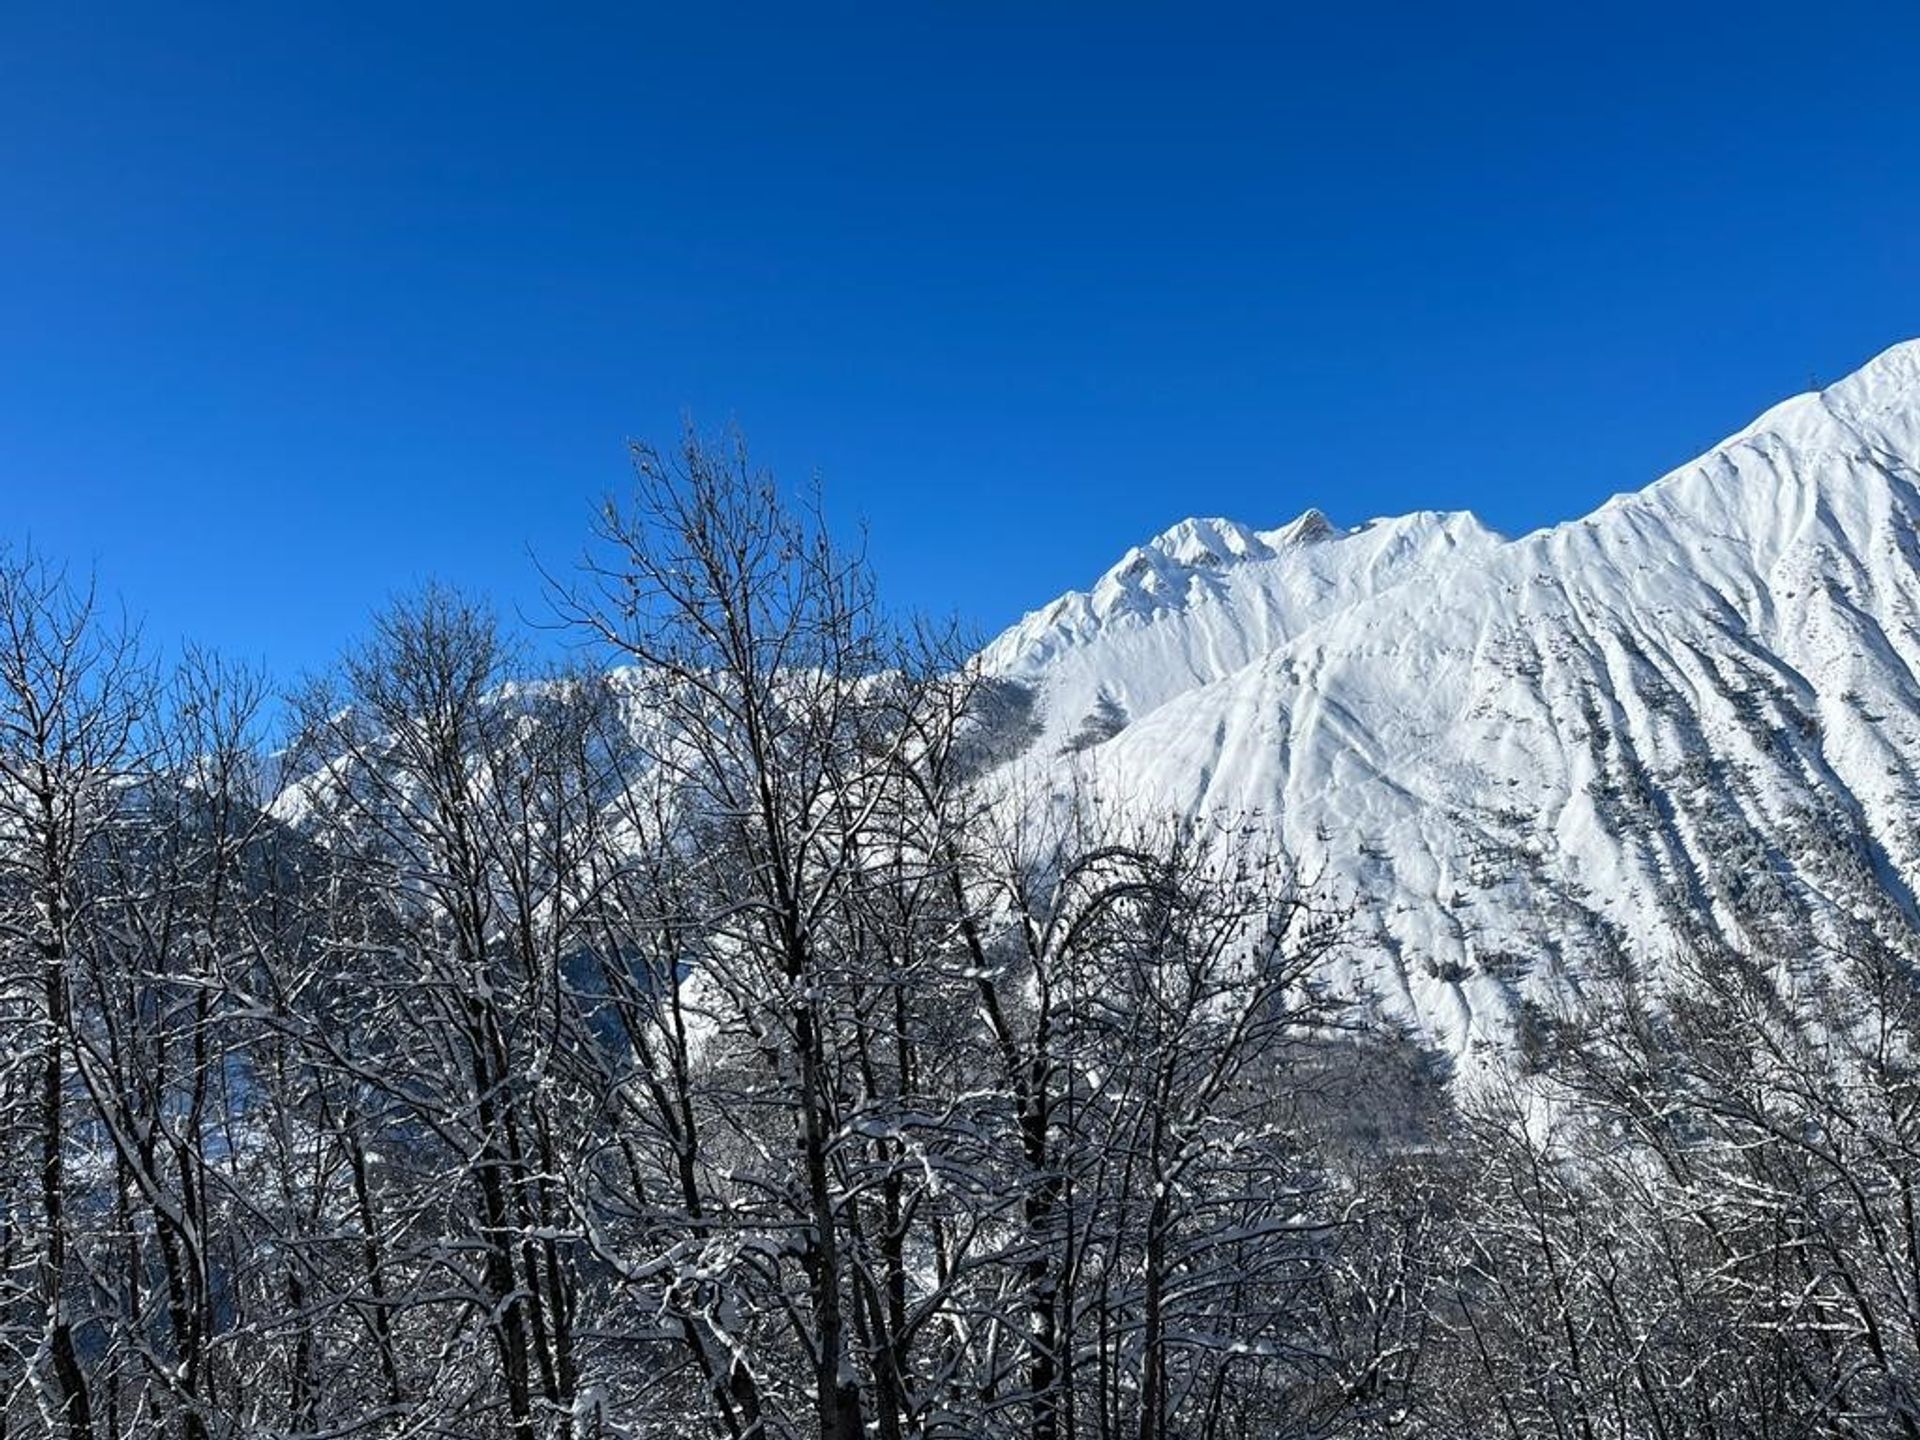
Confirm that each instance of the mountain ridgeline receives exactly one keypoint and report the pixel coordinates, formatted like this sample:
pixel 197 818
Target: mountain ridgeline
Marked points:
pixel 1692 715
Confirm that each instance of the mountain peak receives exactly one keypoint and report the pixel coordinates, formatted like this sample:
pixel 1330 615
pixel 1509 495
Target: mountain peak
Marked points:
pixel 1310 525
pixel 1209 540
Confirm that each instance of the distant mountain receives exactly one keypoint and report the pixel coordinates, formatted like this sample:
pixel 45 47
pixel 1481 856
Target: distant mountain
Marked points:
pixel 1694 712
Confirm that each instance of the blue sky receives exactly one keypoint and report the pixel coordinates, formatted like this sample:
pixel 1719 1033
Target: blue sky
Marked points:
pixel 299 306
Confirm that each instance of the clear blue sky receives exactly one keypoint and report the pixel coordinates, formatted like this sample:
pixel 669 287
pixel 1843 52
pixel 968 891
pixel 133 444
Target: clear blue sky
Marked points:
pixel 301 305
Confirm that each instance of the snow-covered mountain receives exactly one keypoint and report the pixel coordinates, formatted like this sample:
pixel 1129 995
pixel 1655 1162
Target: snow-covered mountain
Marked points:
pixel 1696 709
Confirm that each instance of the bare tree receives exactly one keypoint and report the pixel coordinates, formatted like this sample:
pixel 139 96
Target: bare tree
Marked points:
pixel 72 697
pixel 443 782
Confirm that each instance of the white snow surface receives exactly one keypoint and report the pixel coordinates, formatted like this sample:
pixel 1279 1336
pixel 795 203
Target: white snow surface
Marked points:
pixel 1695 711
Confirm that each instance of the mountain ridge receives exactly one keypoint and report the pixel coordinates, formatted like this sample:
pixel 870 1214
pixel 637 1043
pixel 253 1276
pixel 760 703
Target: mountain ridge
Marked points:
pixel 1688 714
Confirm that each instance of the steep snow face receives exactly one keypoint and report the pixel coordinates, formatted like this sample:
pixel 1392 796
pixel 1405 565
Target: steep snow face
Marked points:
pixel 1695 711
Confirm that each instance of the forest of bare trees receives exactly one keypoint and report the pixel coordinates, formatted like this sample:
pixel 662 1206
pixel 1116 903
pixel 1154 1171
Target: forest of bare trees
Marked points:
pixel 714 1039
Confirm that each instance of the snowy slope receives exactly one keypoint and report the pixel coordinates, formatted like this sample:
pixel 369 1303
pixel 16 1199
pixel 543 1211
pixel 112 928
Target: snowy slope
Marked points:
pixel 1697 709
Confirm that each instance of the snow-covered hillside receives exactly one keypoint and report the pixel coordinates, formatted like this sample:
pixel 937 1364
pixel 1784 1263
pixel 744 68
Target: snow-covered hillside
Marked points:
pixel 1696 709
